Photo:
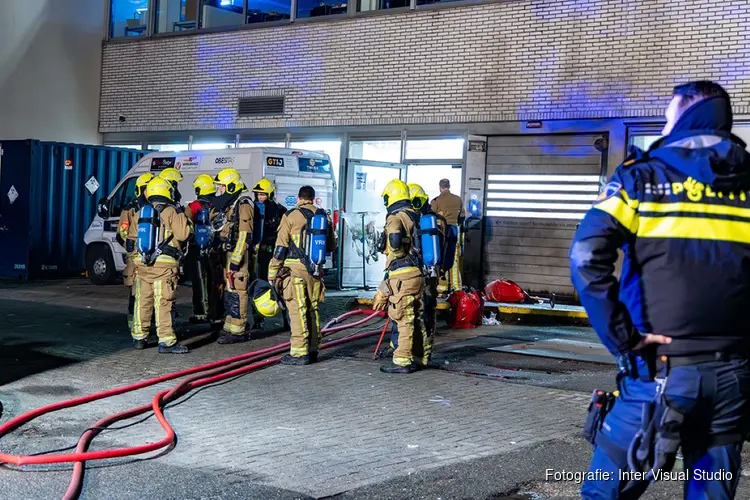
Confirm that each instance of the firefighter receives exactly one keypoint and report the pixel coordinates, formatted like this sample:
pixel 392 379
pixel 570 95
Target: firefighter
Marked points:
pixel 236 208
pixel 201 258
pixel 451 208
pixel 290 272
pixel 400 293
pixel 174 177
pixel 129 217
pixel 676 319
pixel 419 200
pixel 268 214
pixel 157 267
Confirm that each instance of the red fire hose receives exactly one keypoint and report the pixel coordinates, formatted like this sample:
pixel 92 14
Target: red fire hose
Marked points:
pixel 209 373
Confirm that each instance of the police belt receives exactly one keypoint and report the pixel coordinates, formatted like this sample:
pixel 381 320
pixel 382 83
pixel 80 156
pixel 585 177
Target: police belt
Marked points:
pixel 673 361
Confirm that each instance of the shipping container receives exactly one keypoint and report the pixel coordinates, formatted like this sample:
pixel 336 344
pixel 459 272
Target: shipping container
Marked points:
pixel 48 197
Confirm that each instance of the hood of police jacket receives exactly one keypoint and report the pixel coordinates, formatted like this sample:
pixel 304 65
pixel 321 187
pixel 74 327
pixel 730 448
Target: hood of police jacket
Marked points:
pixel 702 146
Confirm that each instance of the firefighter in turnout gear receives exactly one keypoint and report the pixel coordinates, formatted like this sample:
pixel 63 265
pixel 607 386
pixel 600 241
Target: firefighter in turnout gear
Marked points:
pixel 174 177
pixel 128 218
pixel 290 271
pixel 451 208
pixel 236 207
pixel 401 291
pixel 159 242
pixel 203 263
pixel 268 214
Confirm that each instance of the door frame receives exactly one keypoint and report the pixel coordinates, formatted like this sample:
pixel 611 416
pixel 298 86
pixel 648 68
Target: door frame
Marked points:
pixel 348 196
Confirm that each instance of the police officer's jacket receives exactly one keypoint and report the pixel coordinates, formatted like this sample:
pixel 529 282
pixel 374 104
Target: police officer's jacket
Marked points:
pixel 681 214
pixel 272 213
pixel 449 206
pixel 401 258
pixel 289 240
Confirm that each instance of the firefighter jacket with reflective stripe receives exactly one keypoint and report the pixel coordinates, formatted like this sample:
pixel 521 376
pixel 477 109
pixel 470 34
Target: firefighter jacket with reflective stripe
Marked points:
pixel 239 228
pixel 290 236
pixel 681 215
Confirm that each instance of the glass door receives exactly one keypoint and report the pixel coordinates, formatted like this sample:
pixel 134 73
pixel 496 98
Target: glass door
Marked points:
pixel 364 220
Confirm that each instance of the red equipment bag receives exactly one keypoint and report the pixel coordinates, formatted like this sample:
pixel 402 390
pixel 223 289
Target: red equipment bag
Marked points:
pixel 466 307
pixel 505 291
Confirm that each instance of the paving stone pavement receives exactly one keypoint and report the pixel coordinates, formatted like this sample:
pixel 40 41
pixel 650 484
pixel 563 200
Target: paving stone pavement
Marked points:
pixel 330 427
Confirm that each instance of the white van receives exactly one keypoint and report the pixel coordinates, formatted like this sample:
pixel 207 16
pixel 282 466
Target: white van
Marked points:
pixel 289 169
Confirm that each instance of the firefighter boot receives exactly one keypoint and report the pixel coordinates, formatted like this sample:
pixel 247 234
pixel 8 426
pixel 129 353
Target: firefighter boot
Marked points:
pixel 288 359
pixel 229 338
pixel 140 344
pixel 393 368
pixel 173 349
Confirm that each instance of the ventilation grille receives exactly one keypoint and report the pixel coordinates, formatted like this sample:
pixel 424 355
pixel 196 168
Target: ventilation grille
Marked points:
pixel 260 106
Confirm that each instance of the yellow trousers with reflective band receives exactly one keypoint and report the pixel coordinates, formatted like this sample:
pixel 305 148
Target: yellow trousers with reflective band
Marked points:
pixel 303 294
pixel 155 292
pixel 405 309
pixel 453 279
pixel 128 277
pixel 235 298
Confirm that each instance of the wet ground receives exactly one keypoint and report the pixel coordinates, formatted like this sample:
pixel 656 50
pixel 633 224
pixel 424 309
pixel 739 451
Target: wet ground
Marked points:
pixel 482 425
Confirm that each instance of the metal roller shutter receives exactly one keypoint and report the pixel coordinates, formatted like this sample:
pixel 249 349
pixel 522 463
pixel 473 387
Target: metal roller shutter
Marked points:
pixel 538 189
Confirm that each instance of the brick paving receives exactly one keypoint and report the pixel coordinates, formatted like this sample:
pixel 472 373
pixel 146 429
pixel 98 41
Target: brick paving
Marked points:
pixel 318 430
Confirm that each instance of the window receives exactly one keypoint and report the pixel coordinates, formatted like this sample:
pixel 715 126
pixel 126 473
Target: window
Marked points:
pixel 266 11
pixel 367 5
pixel 263 144
pixel 644 141
pixel 331 148
pixel 128 18
pixel 317 8
pixel 218 13
pixel 388 151
pixel 428 176
pixel 168 147
pixel 541 196
pixel 175 15
pixel 428 2
pixel 202 146
pixel 124 146
pixel 124 195
pixel 435 149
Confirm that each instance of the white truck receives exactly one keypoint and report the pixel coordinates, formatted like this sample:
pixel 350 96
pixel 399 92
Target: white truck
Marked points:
pixel 289 169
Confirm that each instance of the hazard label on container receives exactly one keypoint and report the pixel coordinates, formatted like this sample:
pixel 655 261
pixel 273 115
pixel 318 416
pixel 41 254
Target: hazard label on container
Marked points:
pixel 92 185
pixel 12 194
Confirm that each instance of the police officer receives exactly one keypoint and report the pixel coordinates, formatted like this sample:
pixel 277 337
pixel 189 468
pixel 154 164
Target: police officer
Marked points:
pixel 302 291
pixel 156 280
pixel 677 319
pixel 400 293
pixel 268 214
pixel 129 217
pixel 201 265
pixel 236 208
pixel 451 208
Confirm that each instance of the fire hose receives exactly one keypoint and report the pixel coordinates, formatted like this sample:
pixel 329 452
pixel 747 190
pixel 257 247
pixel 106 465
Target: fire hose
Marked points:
pixel 206 374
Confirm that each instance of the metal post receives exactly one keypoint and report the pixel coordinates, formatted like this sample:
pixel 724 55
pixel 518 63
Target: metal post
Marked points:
pixel 288 141
pixel 413 4
pixel 244 12
pixel 190 142
pixel 151 17
pixel 364 254
pixel 237 141
pixel 403 150
pixel 293 11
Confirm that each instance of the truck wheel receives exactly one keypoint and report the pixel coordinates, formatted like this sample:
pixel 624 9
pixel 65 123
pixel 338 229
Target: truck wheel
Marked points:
pixel 100 265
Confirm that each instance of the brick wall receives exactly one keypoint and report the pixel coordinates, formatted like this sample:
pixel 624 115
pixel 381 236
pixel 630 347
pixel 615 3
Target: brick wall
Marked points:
pixel 511 60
